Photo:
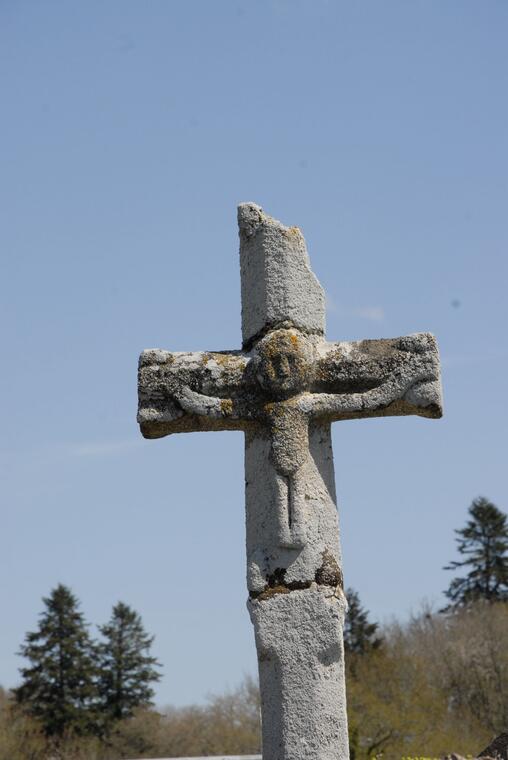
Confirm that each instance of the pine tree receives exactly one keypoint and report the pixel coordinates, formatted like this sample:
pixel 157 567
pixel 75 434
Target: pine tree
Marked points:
pixel 59 688
pixel 484 545
pixel 359 634
pixel 126 669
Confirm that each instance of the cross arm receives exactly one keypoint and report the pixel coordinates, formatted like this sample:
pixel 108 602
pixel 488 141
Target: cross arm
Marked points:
pixel 187 392
pixel 376 378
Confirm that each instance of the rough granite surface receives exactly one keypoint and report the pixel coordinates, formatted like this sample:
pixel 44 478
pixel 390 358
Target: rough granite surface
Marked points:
pixel 284 389
pixel 301 669
pixel 278 286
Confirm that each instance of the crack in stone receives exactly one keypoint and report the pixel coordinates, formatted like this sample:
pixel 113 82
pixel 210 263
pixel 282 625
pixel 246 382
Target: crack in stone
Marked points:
pixel 328 574
pixel 286 324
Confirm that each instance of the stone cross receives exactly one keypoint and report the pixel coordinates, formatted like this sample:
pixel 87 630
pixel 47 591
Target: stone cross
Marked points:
pixel 284 389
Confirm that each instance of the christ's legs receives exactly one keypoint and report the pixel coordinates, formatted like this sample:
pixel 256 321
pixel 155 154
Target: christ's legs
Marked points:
pixel 291 520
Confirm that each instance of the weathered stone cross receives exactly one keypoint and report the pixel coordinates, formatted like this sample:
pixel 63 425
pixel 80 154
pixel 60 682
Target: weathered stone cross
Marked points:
pixel 284 389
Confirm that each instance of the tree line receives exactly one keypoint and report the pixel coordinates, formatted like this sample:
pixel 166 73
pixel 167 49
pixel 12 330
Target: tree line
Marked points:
pixel 76 685
pixel 432 685
pixel 440 682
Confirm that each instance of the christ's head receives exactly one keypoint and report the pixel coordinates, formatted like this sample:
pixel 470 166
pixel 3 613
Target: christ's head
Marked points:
pixel 283 363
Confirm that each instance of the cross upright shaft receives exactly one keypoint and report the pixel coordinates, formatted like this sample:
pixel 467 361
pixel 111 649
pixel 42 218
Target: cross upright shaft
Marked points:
pixel 283 390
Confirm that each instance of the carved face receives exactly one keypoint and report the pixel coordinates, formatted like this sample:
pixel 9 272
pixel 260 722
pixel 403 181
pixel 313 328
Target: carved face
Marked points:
pixel 284 361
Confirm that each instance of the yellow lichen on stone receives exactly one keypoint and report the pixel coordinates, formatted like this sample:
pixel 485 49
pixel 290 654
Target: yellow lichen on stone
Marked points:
pixel 228 361
pixel 226 406
pixel 276 409
pixel 223 360
pixel 269 592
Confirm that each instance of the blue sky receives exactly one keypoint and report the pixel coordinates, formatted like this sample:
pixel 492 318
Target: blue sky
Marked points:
pixel 130 131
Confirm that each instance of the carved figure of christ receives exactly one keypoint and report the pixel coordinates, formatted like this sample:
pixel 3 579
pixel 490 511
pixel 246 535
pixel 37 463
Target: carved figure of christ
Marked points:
pixel 284 390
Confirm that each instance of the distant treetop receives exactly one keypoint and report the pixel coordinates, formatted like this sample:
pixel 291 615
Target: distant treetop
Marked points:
pixel 483 543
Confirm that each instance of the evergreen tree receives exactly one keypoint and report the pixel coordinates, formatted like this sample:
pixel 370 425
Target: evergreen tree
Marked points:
pixel 359 634
pixel 58 688
pixel 126 669
pixel 484 545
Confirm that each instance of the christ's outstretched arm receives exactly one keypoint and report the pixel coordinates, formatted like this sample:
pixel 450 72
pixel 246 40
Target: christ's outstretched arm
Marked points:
pixel 415 394
pixel 184 392
pixel 197 403
pixel 373 378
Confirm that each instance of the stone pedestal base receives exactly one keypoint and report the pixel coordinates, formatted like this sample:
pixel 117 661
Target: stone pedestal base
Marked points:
pixel 299 639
